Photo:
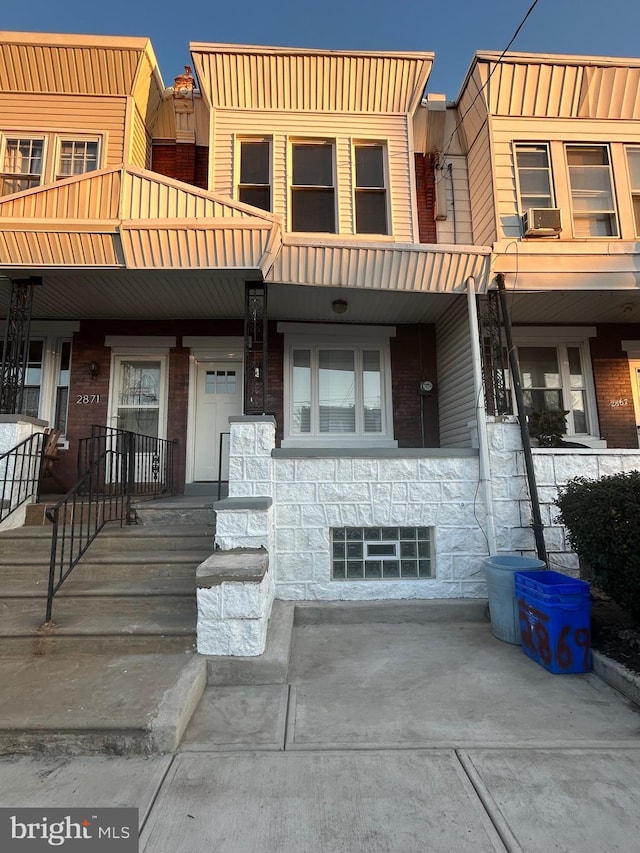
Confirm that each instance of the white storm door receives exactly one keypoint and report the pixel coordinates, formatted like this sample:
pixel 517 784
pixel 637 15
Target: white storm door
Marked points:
pixel 218 397
pixel 138 404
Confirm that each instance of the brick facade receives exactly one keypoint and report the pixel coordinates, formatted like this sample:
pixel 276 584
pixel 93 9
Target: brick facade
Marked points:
pixel 425 198
pixel 413 359
pixel 184 162
pixel 612 381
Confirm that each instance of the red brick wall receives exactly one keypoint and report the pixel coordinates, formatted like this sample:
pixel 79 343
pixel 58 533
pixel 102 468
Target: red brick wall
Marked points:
pixel 413 359
pixel 188 163
pixel 613 384
pixel 425 198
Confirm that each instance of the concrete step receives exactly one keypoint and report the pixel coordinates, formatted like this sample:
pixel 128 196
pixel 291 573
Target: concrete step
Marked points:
pixel 15 572
pixel 98 704
pixel 271 667
pixel 172 511
pixel 418 611
pixel 111 539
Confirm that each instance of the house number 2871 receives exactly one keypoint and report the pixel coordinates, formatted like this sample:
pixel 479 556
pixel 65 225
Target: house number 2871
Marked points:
pixel 87 399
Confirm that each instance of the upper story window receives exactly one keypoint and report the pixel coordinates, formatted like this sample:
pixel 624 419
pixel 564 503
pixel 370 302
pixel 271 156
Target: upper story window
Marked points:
pixel 313 204
pixel 22 161
pixel 254 185
pixel 633 157
pixel 76 157
pixel 591 185
pixel 31 161
pixel 370 190
pixel 534 176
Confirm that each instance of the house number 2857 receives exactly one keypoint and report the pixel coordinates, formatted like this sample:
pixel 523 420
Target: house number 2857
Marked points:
pixel 87 399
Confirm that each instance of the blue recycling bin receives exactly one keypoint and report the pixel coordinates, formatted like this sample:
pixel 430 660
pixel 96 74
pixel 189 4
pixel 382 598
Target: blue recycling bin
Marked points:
pixel 499 572
pixel 554 612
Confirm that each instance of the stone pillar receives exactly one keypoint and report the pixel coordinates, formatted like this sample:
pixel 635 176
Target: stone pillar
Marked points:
pixel 511 502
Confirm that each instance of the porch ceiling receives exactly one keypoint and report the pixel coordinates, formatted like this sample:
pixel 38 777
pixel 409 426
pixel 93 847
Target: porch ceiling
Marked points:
pixel 166 294
pixel 594 306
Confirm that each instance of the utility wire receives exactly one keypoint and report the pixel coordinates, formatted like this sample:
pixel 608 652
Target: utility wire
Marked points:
pixel 486 83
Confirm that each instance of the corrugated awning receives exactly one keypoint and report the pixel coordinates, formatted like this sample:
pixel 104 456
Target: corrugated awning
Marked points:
pixel 129 218
pixel 381 266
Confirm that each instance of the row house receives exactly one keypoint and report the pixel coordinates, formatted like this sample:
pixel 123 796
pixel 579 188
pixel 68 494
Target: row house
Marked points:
pixel 287 263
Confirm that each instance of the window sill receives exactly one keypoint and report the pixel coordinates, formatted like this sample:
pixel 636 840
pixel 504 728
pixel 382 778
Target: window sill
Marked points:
pixel 338 443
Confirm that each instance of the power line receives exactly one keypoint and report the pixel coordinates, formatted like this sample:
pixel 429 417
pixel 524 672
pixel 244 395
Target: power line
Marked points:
pixel 486 83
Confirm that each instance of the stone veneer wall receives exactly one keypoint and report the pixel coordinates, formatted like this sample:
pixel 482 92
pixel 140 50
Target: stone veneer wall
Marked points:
pixel 312 491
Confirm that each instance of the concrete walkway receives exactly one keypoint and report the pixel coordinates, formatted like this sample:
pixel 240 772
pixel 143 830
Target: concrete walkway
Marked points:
pixel 389 737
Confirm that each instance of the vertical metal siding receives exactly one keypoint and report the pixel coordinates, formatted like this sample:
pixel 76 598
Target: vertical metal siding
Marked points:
pixel 249 79
pixel 456 396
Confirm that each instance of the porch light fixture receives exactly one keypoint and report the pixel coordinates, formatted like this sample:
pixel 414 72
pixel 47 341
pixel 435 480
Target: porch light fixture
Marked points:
pixel 339 306
pixel 93 368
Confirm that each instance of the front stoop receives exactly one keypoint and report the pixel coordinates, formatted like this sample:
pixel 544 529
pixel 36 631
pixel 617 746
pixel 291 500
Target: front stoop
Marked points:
pixel 235 596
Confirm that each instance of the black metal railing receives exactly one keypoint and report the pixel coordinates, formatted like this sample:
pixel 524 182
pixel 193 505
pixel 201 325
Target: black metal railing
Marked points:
pixel 144 463
pixel 115 466
pixel 20 472
pixel 79 516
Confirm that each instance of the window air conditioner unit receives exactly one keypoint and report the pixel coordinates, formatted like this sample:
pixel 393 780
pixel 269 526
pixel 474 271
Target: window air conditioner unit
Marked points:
pixel 542 222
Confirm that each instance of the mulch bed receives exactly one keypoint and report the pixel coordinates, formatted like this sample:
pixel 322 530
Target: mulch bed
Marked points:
pixel 614 632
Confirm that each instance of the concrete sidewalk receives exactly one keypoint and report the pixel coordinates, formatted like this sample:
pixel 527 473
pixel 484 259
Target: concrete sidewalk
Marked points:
pixel 399 737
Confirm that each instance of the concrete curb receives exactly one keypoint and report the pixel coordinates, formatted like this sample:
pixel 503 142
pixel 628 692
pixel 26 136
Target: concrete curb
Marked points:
pixel 177 707
pixel 617 675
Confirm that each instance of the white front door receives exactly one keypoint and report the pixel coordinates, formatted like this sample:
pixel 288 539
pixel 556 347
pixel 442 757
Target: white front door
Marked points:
pixel 218 397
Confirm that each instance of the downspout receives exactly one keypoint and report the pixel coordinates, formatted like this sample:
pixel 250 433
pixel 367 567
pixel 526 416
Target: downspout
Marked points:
pixel 537 524
pixel 481 419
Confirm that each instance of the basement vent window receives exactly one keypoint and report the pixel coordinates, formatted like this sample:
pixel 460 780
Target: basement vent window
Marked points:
pixel 381 553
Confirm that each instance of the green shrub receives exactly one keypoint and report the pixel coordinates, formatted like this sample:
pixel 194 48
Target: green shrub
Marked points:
pixel 602 518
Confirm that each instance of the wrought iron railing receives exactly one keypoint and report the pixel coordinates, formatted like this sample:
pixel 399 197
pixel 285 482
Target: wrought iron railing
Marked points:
pixel 20 472
pixel 115 465
pixel 144 463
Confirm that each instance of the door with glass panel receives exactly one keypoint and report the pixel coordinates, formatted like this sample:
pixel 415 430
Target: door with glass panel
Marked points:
pixel 634 367
pixel 138 406
pixel 218 397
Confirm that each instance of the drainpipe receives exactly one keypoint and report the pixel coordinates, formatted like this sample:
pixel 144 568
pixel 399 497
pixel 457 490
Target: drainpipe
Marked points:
pixel 537 524
pixel 481 420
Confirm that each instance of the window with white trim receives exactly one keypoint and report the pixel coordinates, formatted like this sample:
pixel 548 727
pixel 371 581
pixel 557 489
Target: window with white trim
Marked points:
pixel 633 158
pixel 591 184
pixel 254 178
pixel 533 170
pixel 46 378
pixel 76 157
pixel 27 162
pixel 22 164
pixel 313 202
pixel 556 376
pixel 370 189
pixel 338 390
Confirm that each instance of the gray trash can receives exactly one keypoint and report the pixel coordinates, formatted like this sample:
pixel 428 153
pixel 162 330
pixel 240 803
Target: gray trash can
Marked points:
pixel 499 571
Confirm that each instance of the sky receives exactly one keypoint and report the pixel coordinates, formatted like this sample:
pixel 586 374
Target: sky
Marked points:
pixel 453 32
